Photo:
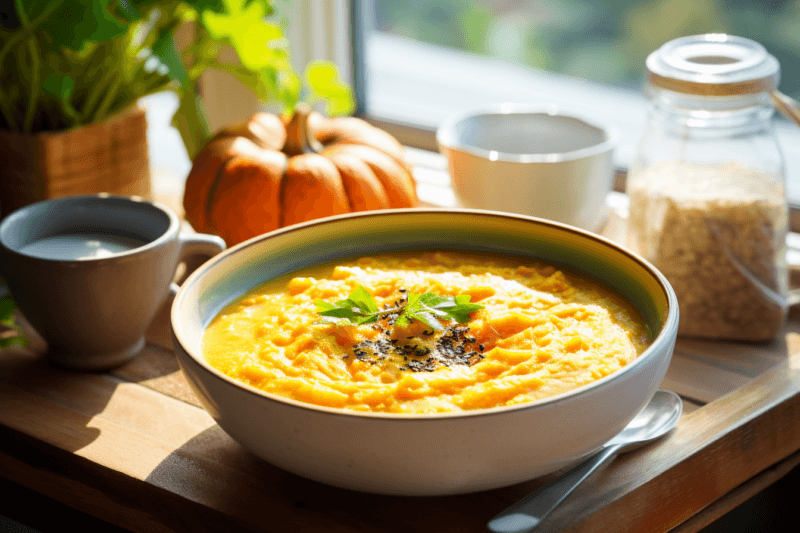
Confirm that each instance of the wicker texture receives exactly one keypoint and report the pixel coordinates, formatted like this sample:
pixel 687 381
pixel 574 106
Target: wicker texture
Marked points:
pixel 110 156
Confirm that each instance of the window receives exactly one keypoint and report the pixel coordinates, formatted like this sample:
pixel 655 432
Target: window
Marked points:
pixel 605 42
pixel 417 61
pixel 414 62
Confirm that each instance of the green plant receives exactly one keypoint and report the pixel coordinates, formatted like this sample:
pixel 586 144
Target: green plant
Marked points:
pixel 10 333
pixel 67 63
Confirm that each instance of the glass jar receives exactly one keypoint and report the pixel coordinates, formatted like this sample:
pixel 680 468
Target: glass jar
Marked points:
pixel 707 190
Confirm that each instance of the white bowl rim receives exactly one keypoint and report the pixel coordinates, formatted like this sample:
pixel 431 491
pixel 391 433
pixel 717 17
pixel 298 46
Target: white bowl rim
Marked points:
pixel 670 324
pixel 611 132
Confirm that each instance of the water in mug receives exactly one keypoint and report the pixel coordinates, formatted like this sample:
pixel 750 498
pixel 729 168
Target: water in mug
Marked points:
pixel 81 246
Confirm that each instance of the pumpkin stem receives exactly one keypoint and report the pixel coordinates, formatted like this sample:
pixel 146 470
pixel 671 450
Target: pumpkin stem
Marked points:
pixel 299 139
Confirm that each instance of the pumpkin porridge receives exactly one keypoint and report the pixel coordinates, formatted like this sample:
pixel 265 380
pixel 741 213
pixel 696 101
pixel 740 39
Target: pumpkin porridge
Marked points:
pixel 424 333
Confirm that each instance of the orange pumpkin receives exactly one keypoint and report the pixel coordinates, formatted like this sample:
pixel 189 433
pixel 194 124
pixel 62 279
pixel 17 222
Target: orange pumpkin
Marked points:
pixel 271 171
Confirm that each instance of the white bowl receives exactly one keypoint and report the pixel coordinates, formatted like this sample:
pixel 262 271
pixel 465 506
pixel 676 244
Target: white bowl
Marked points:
pixel 431 454
pixel 531 160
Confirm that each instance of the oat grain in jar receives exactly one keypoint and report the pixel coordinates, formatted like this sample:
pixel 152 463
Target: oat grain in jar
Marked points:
pixel 707 195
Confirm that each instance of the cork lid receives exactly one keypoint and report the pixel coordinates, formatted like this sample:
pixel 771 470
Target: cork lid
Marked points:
pixel 714 64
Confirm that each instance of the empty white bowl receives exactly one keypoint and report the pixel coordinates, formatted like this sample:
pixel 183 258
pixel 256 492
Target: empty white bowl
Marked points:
pixel 531 160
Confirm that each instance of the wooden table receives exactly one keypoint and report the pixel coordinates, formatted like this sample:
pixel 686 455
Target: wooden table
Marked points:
pixel 134 448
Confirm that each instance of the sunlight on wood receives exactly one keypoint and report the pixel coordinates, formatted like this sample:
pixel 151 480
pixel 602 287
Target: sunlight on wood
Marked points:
pixel 145 411
pixel 119 451
pixel 132 412
pixel 793 351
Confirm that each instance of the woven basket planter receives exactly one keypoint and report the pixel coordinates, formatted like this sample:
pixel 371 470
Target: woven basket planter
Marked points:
pixel 110 156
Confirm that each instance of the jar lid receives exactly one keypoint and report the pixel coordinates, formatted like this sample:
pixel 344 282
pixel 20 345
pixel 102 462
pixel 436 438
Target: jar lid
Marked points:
pixel 714 64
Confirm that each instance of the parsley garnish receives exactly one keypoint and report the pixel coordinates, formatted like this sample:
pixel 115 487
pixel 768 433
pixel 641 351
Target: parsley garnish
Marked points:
pixel 360 308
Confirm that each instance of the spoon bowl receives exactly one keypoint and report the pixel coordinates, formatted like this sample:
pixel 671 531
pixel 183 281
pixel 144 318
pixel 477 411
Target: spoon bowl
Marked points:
pixel 657 418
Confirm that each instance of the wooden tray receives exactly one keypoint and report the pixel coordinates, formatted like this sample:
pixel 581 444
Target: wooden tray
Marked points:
pixel 134 447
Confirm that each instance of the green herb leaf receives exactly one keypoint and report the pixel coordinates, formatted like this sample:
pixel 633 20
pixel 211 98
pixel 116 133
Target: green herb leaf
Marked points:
pixel 363 300
pixel 428 308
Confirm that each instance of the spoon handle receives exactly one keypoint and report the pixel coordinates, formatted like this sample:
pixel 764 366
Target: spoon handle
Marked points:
pixel 527 513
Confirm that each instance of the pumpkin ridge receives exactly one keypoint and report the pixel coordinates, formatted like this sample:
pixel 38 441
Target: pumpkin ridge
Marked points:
pixel 247 200
pixel 398 184
pixel 364 190
pixel 306 176
pixel 212 191
pixel 281 192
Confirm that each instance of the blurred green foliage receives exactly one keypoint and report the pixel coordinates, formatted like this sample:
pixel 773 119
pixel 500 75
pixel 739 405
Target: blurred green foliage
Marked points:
pixel 67 63
pixel 603 41
pixel 10 334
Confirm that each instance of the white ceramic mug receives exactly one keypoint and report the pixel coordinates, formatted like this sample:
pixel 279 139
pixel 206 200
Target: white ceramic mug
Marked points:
pixel 91 272
pixel 530 160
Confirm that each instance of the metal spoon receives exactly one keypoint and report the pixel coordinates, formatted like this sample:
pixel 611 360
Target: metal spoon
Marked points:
pixel 658 417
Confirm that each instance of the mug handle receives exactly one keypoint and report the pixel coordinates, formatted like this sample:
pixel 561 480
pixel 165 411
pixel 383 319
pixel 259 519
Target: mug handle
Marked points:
pixel 197 245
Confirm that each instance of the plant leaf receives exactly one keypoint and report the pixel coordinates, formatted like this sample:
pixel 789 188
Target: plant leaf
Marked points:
pixel 324 83
pixel 366 319
pixel 260 44
pixel 336 321
pixel 322 305
pixel 289 88
pixel 363 299
pixel 340 312
pixel 428 308
pixel 7 307
pixel 142 6
pixel 248 32
pixel 218 25
pixel 58 86
pixel 358 309
pixel 10 334
pixel 75 23
pixel 164 48
pixel 428 319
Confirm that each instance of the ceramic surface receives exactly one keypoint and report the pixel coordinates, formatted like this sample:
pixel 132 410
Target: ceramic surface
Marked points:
pixel 535 161
pixel 431 454
pixel 93 311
